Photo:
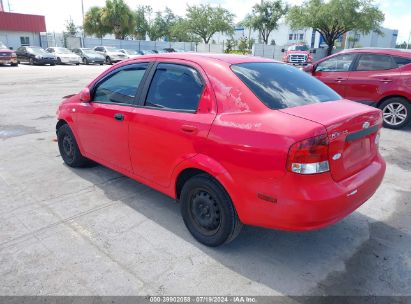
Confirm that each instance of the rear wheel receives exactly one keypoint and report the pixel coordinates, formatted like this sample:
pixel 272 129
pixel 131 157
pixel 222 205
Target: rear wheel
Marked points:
pixel 396 112
pixel 31 61
pixel 58 60
pixel 208 211
pixel 68 147
pixel 108 60
pixel 85 61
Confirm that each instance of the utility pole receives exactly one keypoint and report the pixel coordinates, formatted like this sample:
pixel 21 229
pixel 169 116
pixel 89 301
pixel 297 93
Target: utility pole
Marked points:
pixel 409 39
pixel 82 13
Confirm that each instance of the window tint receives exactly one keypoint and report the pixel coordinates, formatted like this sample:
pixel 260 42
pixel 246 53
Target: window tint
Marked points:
pixel 122 86
pixel 400 61
pixel 375 62
pixel 339 63
pixel 175 87
pixel 281 86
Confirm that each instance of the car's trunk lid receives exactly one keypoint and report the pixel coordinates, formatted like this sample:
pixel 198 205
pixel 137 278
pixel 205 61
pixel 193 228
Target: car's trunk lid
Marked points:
pixel 352 129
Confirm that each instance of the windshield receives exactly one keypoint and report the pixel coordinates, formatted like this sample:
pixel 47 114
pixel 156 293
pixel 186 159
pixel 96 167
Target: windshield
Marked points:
pixel 130 52
pixel 112 49
pixel 89 52
pixel 298 48
pixel 62 50
pixel 2 45
pixel 281 86
pixel 36 50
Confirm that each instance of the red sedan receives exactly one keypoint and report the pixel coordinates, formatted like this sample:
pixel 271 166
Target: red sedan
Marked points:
pixel 236 139
pixel 376 77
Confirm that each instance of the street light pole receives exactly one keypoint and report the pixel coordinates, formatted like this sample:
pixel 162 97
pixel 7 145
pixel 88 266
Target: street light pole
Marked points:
pixel 409 39
pixel 82 13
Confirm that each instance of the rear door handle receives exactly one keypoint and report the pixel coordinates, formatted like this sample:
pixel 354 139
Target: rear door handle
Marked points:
pixel 188 128
pixel 119 116
pixel 339 79
pixel 385 80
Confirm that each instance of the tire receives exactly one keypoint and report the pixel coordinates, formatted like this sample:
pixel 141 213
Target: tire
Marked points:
pixel 68 147
pixel 108 60
pixel 31 61
pixel 208 211
pixel 52 64
pixel 101 63
pixel 77 63
pixel 58 60
pixel 396 112
pixel 85 61
pixel 14 64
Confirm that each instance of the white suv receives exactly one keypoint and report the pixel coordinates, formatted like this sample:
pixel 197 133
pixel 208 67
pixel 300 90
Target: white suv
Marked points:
pixel 111 53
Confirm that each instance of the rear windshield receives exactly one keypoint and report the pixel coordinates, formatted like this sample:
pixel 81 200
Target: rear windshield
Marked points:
pixel 281 86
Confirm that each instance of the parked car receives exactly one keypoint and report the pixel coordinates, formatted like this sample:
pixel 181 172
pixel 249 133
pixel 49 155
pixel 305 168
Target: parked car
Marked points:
pixel 169 50
pixel 145 52
pixel 376 77
pixel 298 54
pixel 35 55
pixel 130 53
pixel 7 56
pixel 112 54
pixel 235 139
pixel 64 56
pixel 89 56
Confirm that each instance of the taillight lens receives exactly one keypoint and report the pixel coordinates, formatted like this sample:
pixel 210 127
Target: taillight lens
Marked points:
pixel 309 156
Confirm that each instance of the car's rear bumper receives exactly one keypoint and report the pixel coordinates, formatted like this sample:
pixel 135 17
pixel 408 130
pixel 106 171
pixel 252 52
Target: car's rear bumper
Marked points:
pixel 307 202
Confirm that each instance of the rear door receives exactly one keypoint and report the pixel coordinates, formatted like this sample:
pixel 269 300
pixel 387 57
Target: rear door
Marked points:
pixel 173 122
pixel 103 124
pixel 335 71
pixel 372 75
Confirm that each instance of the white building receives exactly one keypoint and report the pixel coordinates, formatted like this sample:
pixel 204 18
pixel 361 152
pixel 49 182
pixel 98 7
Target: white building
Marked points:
pixel 388 39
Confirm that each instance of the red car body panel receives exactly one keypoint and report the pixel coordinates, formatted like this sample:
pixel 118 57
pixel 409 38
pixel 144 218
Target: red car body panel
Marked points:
pixel 236 139
pixel 369 87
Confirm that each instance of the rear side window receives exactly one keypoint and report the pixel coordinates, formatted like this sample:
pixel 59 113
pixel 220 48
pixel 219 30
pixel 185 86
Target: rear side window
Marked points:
pixel 375 62
pixel 175 87
pixel 281 86
pixel 122 86
pixel 400 61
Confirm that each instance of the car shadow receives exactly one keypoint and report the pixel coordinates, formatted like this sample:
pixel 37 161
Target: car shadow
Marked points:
pixel 352 257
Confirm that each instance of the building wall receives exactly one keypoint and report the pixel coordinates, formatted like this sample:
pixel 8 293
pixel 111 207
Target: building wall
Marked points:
pixel 12 39
pixel 373 39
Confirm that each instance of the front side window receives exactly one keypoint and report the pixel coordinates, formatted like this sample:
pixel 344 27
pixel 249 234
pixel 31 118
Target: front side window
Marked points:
pixel 122 86
pixel 339 63
pixel 281 86
pixel 375 62
pixel 175 87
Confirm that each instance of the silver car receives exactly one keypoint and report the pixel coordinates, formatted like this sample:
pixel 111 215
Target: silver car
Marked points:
pixel 111 53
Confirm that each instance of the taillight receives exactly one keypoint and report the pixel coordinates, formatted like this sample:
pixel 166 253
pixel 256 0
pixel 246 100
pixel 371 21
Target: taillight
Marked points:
pixel 309 156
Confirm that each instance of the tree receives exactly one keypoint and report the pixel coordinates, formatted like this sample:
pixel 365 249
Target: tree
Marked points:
pixel 265 17
pixel 119 18
pixel 334 18
pixel 243 45
pixel 157 27
pixel 93 25
pixel 204 21
pixel 142 23
pixel 71 28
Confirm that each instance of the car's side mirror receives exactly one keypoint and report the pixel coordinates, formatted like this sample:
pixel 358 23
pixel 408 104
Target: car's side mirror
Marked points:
pixel 309 68
pixel 85 95
pixel 282 50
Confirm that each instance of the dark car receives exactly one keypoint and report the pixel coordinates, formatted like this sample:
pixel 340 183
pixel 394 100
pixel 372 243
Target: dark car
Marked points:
pixel 89 56
pixel 169 50
pixel 373 76
pixel 35 55
pixel 7 56
pixel 145 52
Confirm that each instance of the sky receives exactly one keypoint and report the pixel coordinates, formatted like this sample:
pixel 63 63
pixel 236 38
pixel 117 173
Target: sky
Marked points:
pixel 397 12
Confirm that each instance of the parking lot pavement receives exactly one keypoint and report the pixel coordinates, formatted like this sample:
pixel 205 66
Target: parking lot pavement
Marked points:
pixel 93 231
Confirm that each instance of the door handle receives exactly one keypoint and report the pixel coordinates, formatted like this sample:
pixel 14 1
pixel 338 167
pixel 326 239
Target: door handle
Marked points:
pixel 339 79
pixel 385 80
pixel 119 116
pixel 188 128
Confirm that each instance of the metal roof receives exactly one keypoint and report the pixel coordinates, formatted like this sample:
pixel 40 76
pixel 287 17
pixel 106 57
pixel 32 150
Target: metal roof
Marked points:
pixel 22 22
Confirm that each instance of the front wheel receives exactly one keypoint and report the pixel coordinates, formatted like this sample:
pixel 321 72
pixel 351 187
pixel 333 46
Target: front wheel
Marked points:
pixel 85 61
pixel 58 60
pixel 68 147
pixel 396 112
pixel 208 211
pixel 108 60
pixel 31 61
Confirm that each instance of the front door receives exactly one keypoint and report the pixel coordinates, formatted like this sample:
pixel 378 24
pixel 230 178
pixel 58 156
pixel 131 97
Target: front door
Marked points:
pixel 335 72
pixel 103 124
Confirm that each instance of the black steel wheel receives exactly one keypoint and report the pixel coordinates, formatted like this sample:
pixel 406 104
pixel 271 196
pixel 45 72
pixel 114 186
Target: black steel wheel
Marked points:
pixel 68 147
pixel 208 211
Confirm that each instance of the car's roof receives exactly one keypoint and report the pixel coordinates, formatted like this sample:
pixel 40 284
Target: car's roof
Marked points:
pixel 387 51
pixel 227 58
